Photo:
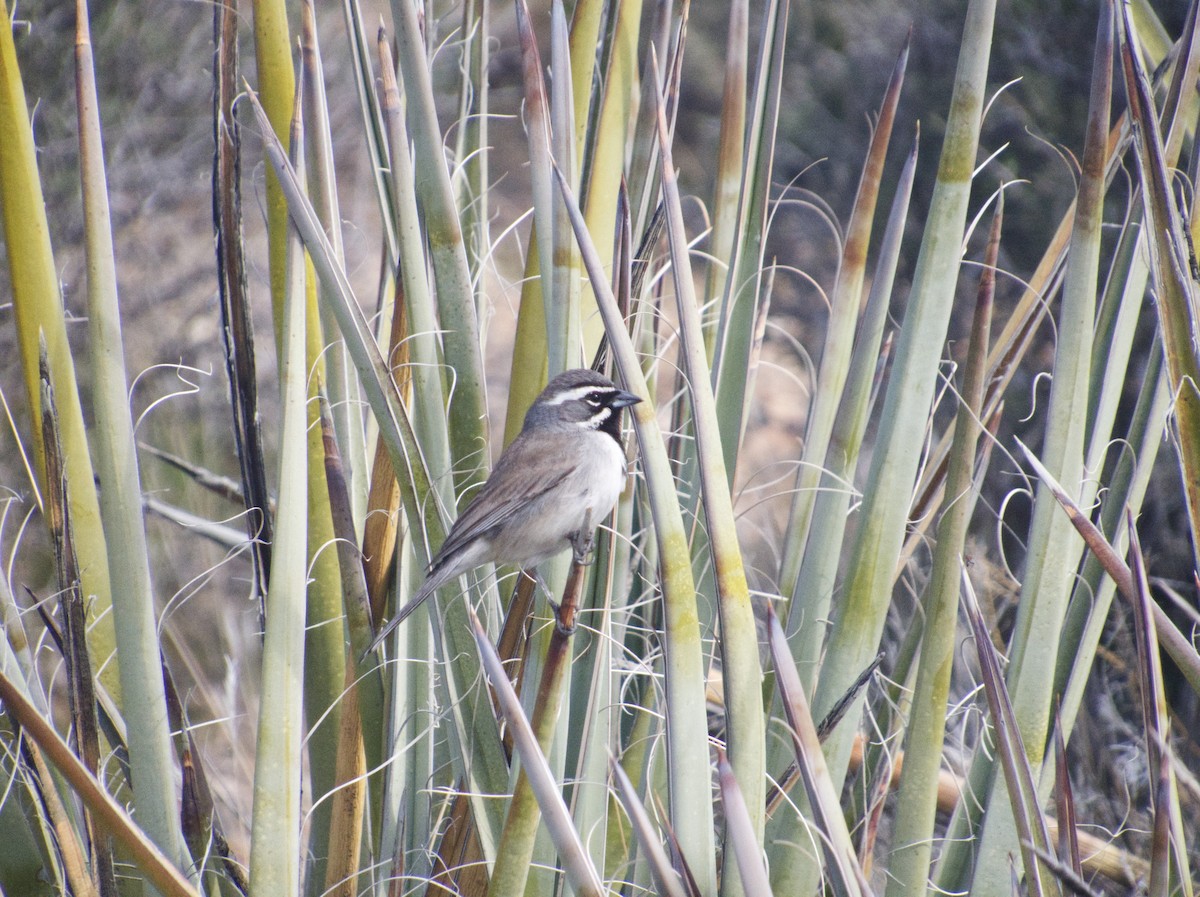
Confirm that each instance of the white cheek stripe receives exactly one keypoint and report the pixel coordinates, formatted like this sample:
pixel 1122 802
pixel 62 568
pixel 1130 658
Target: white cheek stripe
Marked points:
pixel 577 394
pixel 597 419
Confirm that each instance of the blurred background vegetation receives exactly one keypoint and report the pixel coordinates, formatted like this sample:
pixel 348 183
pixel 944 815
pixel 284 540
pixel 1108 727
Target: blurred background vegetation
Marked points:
pixel 155 67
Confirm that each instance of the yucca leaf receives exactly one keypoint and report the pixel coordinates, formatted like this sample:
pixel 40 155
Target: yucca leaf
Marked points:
pixel 845 302
pixel 1012 754
pixel 582 876
pixel 275 833
pixel 740 668
pixel 488 772
pixel 158 868
pixel 842 866
pixel 152 765
pixel 665 877
pixel 37 311
pixel 687 743
pixel 739 302
pixel 743 837
pixel 855 635
pixel 908 866
pixel 447 252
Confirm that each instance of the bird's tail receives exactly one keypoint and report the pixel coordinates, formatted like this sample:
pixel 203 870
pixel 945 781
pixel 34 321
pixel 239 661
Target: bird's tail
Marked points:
pixel 433 582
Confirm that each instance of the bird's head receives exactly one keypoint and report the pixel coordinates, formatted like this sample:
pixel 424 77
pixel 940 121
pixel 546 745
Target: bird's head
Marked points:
pixel 583 399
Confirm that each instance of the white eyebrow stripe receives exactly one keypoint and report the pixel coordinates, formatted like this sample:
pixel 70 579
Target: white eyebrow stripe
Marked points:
pixel 578 393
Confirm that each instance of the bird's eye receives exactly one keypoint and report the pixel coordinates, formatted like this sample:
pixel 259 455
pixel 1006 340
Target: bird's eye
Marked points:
pixel 594 399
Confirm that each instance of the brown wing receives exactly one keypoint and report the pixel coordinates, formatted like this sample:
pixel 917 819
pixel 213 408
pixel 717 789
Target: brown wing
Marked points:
pixel 519 478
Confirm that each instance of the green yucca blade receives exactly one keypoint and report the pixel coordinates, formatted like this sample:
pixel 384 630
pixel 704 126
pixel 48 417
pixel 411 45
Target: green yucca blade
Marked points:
pixel 730 149
pixel 344 398
pixel 1175 288
pixel 740 300
pixel 687 742
pixel 277 88
pixel 854 638
pixel 810 601
pixel 472 149
pixel 582 876
pixel 586 51
pixel 538 118
pixel 139 661
pixel 473 723
pixel 566 295
pixel 606 111
pixel 275 832
pixel 429 419
pixel 359 46
pixel 912 838
pixel 447 252
pixel 1052 541
pixel 740 667
pixel 836 357
pixel 38 310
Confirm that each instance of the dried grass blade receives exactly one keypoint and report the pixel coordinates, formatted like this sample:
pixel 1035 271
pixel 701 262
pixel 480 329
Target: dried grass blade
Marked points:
pixel 161 872
pixel 237 328
pixel 1174 642
pixel 1064 799
pixel 741 833
pixel 1173 874
pixel 666 878
pixel 582 876
pixel 842 863
pixel 1030 823
pixel 1175 276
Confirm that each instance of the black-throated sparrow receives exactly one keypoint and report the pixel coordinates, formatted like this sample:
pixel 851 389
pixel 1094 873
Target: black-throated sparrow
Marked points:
pixel 557 480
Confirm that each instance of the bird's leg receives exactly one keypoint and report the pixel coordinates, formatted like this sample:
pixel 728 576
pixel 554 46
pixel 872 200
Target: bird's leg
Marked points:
pixel 541 584
pixel 582 541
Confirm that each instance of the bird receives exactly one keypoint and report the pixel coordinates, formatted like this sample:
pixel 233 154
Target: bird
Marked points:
pixel 552 485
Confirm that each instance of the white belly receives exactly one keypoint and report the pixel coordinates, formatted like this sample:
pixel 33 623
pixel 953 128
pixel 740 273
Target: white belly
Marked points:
pixel 582 501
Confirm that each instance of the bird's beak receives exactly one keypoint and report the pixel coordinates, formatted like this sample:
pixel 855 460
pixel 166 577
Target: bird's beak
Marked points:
pixel 624 399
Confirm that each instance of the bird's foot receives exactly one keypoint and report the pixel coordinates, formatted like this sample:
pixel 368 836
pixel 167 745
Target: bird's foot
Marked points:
pixel 582 544
pixel 560 618
pixel 566 629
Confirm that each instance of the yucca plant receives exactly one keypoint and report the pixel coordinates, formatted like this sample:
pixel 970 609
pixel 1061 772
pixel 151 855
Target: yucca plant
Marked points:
pixel 696 716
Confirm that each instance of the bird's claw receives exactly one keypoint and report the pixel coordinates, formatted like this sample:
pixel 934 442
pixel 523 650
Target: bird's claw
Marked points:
pixel 581 547
pixel 561 626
